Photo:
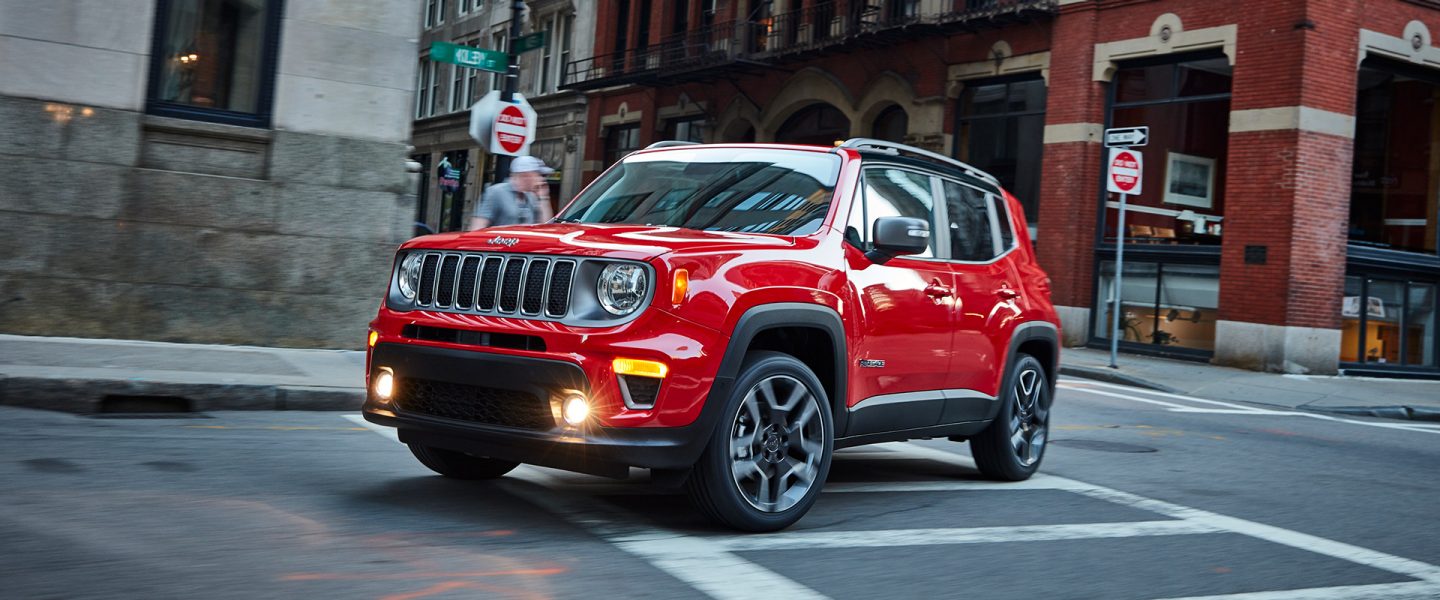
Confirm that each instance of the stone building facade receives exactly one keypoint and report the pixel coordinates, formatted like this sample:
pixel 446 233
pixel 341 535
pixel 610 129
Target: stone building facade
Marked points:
pixel 454 168
pixel 1289 220
pixel 226 171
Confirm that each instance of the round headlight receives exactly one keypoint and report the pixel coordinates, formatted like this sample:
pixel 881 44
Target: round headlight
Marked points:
pixel 622 288
pixel 410 275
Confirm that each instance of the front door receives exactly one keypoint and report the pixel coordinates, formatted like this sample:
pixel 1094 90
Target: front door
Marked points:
pixel 906 312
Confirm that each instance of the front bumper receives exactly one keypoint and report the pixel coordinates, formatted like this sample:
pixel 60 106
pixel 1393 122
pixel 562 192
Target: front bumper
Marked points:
pixel 591 448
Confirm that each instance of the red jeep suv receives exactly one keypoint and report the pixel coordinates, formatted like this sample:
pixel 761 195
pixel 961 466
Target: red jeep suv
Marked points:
pixel 727 316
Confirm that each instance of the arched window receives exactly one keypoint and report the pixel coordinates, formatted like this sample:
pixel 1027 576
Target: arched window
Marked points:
pixel 891 125
pixel 819 124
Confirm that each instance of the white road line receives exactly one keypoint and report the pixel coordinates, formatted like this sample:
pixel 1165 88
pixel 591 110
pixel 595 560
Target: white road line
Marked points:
pixel 388 432
pixel 709 565
pixel 1038 482
pixel 805 540
pixel 1237 408
pixel 1409 590
pixel 697 561
pixel 1285 537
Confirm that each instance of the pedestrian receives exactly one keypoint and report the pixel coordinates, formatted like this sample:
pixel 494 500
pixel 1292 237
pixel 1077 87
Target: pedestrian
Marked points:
pixel 522 199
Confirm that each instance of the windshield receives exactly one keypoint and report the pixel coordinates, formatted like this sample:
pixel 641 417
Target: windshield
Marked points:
pixel 782 192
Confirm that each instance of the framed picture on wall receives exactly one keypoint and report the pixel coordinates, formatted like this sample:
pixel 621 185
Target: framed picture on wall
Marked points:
pixel 1189 180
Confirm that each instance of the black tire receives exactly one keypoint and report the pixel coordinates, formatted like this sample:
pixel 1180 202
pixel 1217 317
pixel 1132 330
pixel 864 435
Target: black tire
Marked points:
pixel 1025 407
pixel 796 445
pixel 458 465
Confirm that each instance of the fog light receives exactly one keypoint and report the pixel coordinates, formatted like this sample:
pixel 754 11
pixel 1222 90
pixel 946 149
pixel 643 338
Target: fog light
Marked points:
pixel 384 385
pixel 576 410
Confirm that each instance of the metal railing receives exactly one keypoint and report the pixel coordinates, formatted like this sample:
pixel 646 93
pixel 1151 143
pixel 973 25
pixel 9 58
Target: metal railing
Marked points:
pixel 821 26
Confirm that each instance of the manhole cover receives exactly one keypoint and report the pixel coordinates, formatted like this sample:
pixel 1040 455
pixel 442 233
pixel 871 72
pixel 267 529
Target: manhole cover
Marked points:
pixel 1100 446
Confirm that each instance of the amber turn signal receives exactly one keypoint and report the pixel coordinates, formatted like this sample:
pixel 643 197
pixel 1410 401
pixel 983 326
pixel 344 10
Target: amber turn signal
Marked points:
pixel 681 287
pixel 640 368
pixel 374 337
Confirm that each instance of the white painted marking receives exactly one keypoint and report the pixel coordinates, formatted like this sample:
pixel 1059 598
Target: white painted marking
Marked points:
pixel 805 540
pixel 709 565
pixel 697 561
pixel 1409 590
pixel 388 432
pixel 1237 408
pixel 1038 482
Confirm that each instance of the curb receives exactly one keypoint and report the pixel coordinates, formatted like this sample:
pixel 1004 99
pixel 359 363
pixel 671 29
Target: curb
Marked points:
pixel 1405 413
pixel 1109 375
pixel 96 396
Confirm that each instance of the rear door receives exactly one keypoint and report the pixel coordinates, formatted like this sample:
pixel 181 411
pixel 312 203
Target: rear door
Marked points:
pixel 905 309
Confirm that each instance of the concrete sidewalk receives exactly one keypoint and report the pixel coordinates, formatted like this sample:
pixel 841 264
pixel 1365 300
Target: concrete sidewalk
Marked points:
pixel 93 376
pixel 1388 398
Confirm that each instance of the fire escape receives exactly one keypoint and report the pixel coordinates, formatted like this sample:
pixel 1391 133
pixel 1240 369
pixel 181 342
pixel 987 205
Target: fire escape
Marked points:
pixel 729 48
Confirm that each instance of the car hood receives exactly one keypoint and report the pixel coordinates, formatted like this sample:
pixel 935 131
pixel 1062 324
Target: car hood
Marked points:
pixel 635 242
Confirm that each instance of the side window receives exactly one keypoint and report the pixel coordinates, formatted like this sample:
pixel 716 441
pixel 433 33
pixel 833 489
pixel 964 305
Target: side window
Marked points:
pixel 896 193
pixel 969 212
pixel 1002 212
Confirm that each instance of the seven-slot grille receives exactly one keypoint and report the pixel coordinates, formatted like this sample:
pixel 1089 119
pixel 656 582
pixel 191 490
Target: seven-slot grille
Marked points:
pixel 503 284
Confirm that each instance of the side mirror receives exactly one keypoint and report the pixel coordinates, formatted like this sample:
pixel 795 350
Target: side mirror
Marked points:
pixel 895 236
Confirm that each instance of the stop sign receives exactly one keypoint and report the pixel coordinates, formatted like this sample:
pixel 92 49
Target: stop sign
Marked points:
pixel 503 127
pixel 1127 168
pixel 511 129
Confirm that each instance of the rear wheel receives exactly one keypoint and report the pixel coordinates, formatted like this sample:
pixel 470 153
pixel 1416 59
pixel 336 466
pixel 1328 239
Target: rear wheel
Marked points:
pixel 458 465
pixel 1011 447
pixel 768 457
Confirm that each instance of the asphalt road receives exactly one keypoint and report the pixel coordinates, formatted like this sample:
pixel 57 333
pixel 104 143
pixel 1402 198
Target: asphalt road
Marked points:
pixel 1142 495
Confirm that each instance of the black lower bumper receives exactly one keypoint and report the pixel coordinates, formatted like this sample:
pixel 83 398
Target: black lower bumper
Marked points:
pixel 606 451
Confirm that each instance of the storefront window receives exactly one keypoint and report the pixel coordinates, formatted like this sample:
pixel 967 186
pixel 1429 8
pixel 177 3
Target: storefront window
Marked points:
pixel 1002 131
pixel 1388 322
pixel 1186 105
pixel 1393 189
pixel 213 60
pixel 1163 305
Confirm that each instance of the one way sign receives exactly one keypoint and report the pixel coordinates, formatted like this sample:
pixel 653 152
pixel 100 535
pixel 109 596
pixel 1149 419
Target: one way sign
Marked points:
pixel 1127 137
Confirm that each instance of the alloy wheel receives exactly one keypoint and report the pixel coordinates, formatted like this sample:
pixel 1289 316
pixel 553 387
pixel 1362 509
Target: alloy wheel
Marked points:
pixel 1029 417
pixel 776 443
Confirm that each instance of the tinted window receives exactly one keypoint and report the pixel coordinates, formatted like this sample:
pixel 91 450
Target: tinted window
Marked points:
pixel 714 189
pixel 969 214
pixel 1002 212
pixel 897 193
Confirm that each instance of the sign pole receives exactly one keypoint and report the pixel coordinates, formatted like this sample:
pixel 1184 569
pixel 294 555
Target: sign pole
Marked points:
pixel 1118 280
pixel 512 78
pixel 1124 175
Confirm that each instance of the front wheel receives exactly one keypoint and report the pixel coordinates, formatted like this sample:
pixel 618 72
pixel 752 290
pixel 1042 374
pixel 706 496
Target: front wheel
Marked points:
pixel 1011 447
pixel 458 465
pixel 768 457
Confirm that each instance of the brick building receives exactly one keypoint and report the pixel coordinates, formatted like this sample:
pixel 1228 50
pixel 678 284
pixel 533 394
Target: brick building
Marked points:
pixel 1288 220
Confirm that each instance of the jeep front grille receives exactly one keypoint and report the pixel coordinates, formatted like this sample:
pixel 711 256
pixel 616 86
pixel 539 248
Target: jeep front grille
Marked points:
pixel 524 286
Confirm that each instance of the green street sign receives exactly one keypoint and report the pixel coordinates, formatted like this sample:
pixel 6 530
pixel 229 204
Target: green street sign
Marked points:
pixel 534 41
pixel 465 56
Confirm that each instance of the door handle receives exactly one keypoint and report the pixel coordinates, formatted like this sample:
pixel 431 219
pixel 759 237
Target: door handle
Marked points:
pixel 1008 293
pixel 935 290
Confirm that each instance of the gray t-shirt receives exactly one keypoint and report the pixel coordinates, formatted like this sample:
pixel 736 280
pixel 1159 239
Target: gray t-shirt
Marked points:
pixel 501 205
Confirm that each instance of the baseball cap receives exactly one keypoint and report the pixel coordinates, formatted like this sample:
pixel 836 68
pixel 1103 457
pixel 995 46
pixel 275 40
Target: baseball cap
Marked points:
pixel 526 164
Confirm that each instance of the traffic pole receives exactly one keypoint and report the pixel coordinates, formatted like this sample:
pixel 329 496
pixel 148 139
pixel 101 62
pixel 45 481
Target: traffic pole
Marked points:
pixel 512 79
pixel 1118 279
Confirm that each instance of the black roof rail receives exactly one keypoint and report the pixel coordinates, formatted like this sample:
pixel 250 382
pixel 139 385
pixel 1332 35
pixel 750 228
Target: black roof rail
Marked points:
pixel 894 148
pixel 670 144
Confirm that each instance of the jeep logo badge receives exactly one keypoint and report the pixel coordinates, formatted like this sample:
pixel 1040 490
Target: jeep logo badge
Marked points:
pixel 504 241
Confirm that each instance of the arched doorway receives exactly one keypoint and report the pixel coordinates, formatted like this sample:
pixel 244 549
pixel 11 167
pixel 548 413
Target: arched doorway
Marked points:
pixel 891 125
pixel 819 124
